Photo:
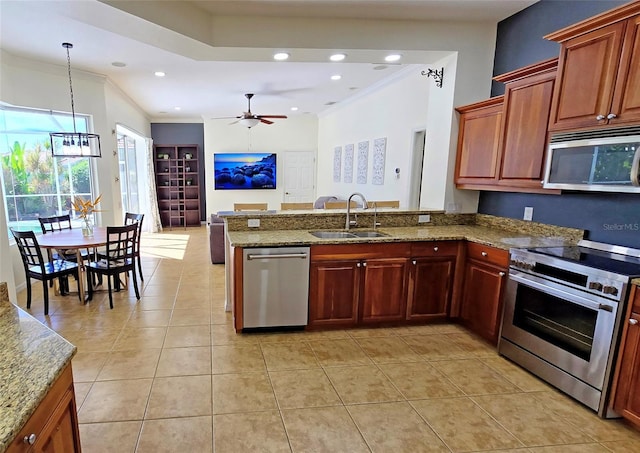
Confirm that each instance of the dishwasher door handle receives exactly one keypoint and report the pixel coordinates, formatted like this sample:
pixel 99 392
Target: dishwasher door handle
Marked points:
pixel 276 257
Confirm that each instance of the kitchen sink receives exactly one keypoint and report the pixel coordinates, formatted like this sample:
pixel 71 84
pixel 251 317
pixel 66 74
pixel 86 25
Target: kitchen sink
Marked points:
pixel 333 235
pixel 368 234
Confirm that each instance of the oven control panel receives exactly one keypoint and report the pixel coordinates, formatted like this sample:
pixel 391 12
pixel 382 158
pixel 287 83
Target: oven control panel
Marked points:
pixel 557 271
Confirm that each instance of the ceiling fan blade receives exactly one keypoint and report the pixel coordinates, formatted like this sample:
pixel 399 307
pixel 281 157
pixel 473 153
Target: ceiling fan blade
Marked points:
pixel 233 122
pixel 272 116
pixel 262 120
pixel 225 117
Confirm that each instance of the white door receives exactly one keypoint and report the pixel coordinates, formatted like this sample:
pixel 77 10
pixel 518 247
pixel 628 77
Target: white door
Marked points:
pixel 299 177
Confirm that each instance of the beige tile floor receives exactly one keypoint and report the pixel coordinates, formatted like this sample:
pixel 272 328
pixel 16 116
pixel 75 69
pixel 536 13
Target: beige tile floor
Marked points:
pixel 168 374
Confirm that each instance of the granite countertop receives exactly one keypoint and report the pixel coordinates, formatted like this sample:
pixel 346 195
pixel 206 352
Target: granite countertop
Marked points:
pixel 495 237
pixel 32 356
pixel 635 281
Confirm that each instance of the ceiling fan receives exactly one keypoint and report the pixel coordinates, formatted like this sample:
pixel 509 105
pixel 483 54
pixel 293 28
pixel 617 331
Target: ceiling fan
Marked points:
pixel 249 119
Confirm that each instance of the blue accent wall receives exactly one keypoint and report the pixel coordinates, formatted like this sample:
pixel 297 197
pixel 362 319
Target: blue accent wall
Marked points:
pixel 184 134
pixel 608 217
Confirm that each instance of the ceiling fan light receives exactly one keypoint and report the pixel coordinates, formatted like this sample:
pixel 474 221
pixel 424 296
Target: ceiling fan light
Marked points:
pixel 248 122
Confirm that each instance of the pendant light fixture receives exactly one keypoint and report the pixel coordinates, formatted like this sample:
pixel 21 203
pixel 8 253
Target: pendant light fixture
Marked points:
pixel 74 144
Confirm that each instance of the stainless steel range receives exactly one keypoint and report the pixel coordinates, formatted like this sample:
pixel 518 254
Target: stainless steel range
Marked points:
pixel 562 315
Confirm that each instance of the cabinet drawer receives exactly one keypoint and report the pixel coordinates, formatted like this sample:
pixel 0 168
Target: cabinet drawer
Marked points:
pixel 488 254
pixel 435 248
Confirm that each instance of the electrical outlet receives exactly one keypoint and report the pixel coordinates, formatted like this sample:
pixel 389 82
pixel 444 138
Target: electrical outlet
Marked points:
pixel 253 223
pixel 528 213
pixel 424 218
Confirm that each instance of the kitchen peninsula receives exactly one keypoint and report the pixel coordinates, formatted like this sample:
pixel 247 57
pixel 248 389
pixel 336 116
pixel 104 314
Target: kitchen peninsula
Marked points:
pixel 37 400
pixel 422 266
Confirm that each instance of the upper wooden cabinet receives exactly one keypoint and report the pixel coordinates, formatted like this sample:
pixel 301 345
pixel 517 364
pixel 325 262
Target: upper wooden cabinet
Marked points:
pixel 525 116
pixel 477 157
pixel 502 141
pixel 598 80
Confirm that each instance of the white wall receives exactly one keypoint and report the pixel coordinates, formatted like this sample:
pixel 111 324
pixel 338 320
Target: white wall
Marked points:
pixel 394 111
pixel 35 84
pixel 298 133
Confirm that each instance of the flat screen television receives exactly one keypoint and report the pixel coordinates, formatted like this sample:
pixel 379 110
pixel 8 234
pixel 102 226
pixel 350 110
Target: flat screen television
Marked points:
pixel 237 171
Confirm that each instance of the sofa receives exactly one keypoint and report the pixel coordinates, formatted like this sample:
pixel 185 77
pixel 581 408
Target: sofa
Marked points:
pixel 216 239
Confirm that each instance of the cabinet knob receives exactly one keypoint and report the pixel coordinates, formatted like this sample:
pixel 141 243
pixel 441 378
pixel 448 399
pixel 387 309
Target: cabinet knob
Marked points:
pixel 364 264
pixel 611 116
pixel 358 265
pixel 633 322
pixel 30 439
pixel 435 249
pixel 600 117
pixel 501 274
pixel 414 262
pixel 484 253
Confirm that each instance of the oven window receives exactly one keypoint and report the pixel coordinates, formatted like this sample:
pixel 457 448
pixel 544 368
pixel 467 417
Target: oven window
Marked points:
pixel 561 323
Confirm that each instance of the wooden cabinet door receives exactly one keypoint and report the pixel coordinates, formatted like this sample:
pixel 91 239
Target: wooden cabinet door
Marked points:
pixel 627 401
pixel 626 97
pixel 334 290
pixel 586 77
pixel 60 435
pixel 430 288
pixel 384 294
pixel 482 299
pixel 477 157
pixel 527 105
pixel 627 394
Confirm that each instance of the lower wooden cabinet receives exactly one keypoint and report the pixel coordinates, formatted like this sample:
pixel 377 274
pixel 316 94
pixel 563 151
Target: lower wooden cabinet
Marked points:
pixel 484 280
pixel 334 291
pixel 384 291
pixel 357 284
pixel 53 427
pixel 627 393
pixel 431 280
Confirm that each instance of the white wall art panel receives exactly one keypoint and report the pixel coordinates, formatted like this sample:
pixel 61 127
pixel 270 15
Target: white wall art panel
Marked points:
pixel 379 152
pixel 348 163
pixel 363 162
pixel 337 163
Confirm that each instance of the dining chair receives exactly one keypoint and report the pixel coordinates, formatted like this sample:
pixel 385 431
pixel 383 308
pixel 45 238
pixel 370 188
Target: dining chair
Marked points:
pixel 384 204
pixel 59 223
pixel 339 204
pixel 289 206
pixel 119 258
pixel 250 206
pixel 130 218
pixel 36 267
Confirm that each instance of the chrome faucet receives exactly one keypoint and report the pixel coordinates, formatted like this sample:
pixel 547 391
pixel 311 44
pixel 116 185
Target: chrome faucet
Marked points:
pixel 348 223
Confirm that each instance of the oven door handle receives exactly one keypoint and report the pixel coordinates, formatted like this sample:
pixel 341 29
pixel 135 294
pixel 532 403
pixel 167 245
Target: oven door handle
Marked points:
pixel 518 277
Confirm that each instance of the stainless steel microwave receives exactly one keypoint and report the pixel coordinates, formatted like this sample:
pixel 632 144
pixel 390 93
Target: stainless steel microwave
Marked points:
pixel 602 160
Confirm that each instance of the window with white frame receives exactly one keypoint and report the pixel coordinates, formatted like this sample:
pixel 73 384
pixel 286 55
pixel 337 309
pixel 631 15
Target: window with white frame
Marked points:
pixel 35 183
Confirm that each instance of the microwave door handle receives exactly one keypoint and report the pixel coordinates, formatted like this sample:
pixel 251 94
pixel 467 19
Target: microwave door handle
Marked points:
pixel 513 275
pixel 635 168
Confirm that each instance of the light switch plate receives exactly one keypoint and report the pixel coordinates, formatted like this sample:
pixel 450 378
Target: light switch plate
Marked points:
pixel 253 223
pixel 528 213
pixel 424 218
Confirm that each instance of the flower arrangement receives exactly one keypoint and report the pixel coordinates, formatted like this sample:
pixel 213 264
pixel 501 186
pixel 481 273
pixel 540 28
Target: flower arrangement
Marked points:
pixel 85 208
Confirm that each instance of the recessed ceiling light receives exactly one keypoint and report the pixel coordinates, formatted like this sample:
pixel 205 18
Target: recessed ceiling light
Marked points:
pixel 159 74
pixel 392 57
pixel 281 56
pixel 118 64
pixel 294 109
pixel 336 77
pixel 338 57
pixel 177 108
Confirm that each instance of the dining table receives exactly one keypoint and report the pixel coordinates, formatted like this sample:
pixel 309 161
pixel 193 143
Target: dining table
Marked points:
pixel 75 239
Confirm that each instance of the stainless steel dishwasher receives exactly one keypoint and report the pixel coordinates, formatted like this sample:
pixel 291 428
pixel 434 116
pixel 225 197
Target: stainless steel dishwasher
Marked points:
pixel 275 287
